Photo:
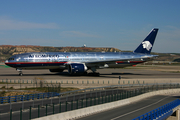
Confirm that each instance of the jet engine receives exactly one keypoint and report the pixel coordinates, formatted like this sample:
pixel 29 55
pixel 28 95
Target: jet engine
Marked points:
pixel 77 68
pixel 56 70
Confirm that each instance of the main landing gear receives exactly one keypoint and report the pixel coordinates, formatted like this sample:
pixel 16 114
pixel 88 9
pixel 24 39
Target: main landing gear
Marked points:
pixel 93 73
pixel 20 71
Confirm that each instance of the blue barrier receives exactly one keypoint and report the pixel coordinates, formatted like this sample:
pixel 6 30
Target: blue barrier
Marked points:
pixel 27 97
pixel 160 113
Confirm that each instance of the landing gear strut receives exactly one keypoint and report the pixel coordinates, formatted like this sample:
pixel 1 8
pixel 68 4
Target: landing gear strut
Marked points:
pixel 93 73
pixel 20 72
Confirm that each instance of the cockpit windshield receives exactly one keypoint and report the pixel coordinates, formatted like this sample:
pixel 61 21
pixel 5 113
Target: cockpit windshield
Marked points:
pixel 11 59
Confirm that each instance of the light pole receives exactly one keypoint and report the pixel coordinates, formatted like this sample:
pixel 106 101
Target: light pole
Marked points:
pixel 20 83
pixel 7 83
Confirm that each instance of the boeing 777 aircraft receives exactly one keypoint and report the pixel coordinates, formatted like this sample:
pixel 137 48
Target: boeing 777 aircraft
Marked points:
pixel 81 62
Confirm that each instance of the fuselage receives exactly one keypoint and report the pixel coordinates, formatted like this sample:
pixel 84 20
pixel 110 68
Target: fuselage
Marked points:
pixel 57 60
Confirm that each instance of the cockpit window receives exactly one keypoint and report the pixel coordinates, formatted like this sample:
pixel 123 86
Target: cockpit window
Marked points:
pixel 11 59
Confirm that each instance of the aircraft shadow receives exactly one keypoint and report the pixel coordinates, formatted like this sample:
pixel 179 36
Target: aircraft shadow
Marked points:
pixel 110 75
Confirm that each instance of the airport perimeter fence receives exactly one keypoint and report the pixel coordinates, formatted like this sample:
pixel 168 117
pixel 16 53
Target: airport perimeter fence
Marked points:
pixel 87 82
pixel 17 98
pixel 52 91
pixel 160 113
pixel 88 98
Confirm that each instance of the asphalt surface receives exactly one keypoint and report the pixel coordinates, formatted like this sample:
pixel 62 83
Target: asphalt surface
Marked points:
pixel 143 72
pixel 134 110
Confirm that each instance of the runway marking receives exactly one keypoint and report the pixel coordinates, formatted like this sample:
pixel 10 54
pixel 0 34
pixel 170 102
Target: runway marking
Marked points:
pixel 138 109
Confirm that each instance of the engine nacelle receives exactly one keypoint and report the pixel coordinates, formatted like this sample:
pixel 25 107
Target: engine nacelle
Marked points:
pixel 77 68
pixel 56 70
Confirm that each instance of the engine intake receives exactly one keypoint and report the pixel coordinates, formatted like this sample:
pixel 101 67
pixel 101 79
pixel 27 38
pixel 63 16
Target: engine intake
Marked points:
pixel 77 68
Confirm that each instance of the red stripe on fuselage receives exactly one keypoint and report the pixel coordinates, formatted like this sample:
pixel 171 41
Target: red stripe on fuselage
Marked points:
pixel 119 62
pixel 35 62
pixel 130 62
pixel 137 61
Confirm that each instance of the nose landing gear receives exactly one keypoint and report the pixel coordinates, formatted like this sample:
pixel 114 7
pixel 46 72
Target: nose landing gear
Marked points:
pixel 20 71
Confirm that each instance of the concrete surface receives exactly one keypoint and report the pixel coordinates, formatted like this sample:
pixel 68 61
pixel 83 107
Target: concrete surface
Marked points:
pixel 139 74
pixel 99 108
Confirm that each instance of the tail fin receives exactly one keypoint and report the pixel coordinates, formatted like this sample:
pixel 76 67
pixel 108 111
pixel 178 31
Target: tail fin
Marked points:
pixel 147 44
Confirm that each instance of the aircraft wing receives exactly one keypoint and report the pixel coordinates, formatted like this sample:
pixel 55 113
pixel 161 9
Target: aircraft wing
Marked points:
pixel 104 63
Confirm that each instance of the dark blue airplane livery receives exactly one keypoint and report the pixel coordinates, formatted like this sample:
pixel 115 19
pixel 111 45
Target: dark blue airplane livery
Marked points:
pixel 81 62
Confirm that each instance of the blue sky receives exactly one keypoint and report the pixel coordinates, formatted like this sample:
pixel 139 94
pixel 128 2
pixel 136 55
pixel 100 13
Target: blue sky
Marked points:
pixel 122 24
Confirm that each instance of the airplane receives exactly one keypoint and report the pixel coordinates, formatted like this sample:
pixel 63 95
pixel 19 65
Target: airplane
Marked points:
pixel 80 62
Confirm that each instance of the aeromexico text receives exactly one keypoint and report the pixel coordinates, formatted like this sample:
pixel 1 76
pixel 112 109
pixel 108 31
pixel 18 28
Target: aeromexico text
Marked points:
pixel 45 55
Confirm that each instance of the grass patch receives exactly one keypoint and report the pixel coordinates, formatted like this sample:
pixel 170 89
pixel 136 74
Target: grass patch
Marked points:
pixel 4 66
pixel 175 71
pixel 32 91
pixel 3 87
pixel 13 83
pixel 45 89
pixel 4 93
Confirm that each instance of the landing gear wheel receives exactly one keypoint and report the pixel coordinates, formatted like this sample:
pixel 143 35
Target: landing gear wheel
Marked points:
pixel 20 71
pixel 20 74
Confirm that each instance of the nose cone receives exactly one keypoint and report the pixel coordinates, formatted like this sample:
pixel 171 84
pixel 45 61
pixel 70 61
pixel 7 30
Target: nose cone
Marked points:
pixel 11 61
pixel 6 62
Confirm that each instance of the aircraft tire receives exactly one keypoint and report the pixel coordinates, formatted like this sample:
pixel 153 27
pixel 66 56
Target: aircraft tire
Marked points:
pixel 20 74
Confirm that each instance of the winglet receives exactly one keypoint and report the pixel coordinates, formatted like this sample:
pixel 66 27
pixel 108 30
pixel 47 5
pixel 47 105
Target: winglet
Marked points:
pixel 147 44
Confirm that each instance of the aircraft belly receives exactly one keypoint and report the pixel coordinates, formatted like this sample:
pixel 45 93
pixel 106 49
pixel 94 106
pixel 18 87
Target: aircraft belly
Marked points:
pixel 118 65
pixel 41 67
pixel 38 65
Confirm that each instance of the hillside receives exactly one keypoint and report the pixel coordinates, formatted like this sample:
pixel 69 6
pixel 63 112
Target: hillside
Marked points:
pixel 8 50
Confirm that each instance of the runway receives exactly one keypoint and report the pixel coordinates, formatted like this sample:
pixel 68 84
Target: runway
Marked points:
pixel 146 74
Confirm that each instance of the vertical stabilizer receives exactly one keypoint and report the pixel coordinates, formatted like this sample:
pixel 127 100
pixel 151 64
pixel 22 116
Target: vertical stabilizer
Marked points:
pixel 147 44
